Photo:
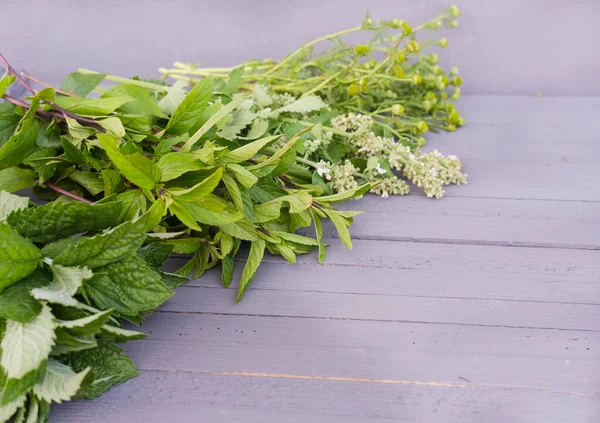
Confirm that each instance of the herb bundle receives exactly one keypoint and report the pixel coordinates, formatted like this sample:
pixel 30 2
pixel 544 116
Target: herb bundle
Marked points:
pixel 368 105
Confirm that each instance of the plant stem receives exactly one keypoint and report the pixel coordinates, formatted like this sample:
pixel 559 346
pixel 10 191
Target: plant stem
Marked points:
pixel 67 193
pixel 31 78
pixel 19 77
pixel 114 78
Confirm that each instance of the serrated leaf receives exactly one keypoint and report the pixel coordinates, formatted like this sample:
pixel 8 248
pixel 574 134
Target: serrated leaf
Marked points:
pixel 16 302
pixel 271 210
pixel 209 210
pixel 99 250
pixel 128 286
pixel 60 220
pixel 306 104
pixel 261 97
pixel 65 283
pixel 172 281
pixel 173 165
pixel 136 167
pixel 238 120
pixel 175 95
pixel 113 126
pixel 249 150
pixel 81 84
pixel 60 383
pixel 109 366
pixel 13 389
pixel 18 256
pixel 200 190
pixel 257 251
pixel 15 178
pixel 155 253
pixel 195 102
pixel 10 203
pixel 86 326
pixel 234 80
pixel 319 233
pixel 124 335
pixel 8 410
pixel 298 239
pixel 73 153
pixel 91 106
pixel 6 80
pixel 142 104
pixel 26 345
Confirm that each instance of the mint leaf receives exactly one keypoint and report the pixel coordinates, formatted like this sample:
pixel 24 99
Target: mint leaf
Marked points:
pixel 175 95
pixel 9 121
pixel 136 167
pixel 91 181
pixel 81 84
pixel 142 104
pixel 200 190
pixel 16 302
pixel 342 227
pixel 128 286
pixel 100 250
pixel 173 165
pixel 65 283
pixel 193 105
pixel 155 253
pixel 60 220
pixel 18 256
pixel 11 203
pixel 91 106
pixel 249 150
pixel 20 145
pixel 113 181
pixel 172 281
pixel 109 366
pixel 257 251
pixel 59 383
pixel 26 345
pixel 5 82
pixel 15 178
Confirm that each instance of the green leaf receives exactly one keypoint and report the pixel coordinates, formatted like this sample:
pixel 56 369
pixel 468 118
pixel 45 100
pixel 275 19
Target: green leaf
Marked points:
pixel 306 104
pixel 60 383
pixel 73 153
pixel 18 256
pixel 109 366
pixel 241 229
pixel 242 174
pixel 193 105
pixel 58 220
pixel 155 253
pixel 128 286
pixel 175 95
pixel 249 150
pixel 257 129
pixel 220 114
pixel 14 388
pixel 173 165
pixel 346 195
pixel 20 145
pixel 181 210
pixel 113 181
pixel 16 302
pixel 81 84
pixel 319 233
pixel 7 411
pixel 257 251
pixel 137 168
pixel 123 335
pixel 209 210
pixel 9 121
pixel 15 178
pixel 172 281
pixel 86 326
pixel 113 126
pixel 10 203
pixel 91 106
pixel 65 283
pixel 26 345
pixel 99 250
pixel 342 227
pixel 271 210
pixel 234 81
pixel 78 131
pixel 142 104
pixel 298 239
pixel 92 182
pixel 6 81
pixel 166 145
pixel 238 120
pixel 261 97
pixel 199 190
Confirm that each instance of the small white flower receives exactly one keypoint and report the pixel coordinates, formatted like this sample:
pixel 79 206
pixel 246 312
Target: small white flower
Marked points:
pixel 380 170
pixel 323 170
pixel 411 156
pixel 434 171
pixel 385 194
pixel 452 157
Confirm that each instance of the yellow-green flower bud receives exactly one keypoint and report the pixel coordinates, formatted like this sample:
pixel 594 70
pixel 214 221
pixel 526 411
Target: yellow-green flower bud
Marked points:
pixel 430 95
pixel 436 69
pixel 362 50
pixel 395 23
pixel 454 24
pixel 353 90
pixel 416 79
pixel 397 109
pixel 400 57
pixel 454 11
pixel 456 94
pixel 453 71
pixel 421 142
pixel 406 29
pixel 399 71
pixel 362 84
pixel 412 46
pixel 422 127
pixel 373 62
pixel 457 81
pixel 451 127
pixel 433 58
pixel 443 42
pixel 444 95
pixel 427 105
pixel 454 116
pixel 461 121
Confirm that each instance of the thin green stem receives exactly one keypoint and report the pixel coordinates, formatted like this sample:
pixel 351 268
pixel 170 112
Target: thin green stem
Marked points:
pixel 114 78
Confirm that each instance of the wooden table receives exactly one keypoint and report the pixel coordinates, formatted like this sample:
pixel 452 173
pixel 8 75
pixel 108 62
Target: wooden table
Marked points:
pixel 480 307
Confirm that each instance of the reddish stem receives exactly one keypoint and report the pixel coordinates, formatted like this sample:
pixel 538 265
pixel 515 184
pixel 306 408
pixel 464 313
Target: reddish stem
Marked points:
pixel 67 193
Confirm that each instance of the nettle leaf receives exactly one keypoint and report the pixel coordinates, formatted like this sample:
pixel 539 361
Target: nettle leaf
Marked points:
pixel 234 81
pixel 175 95
pixel 89 325
pixel 16 301
pixel 65 283
pixel 60 220
pixel 83 106
pixel 124 335
pixel 306 104
pixel 15 388
pixel 99 250
pixel 155 253
pixel 60 383
pixel 199 190
pixel 238 120
pixel 257 251
pixel 20 145
pixel 15 178
pixel 128 286
pixel 11 203
pixel 18 256
pixel 7 411
pixel 261 97
pixel 195 102
pixel 81 84
pixel 109 366
pixel 136 167
pixel 173 165
pixel 26 345
pixel 248 151
pixel 9 121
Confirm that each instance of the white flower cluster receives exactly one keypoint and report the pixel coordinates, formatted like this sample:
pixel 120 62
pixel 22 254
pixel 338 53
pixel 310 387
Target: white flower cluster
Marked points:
pixel 352 122
pixel 264 114
pixel 431 171
pixel 283 99
pixel 391 185
pixel 341 176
